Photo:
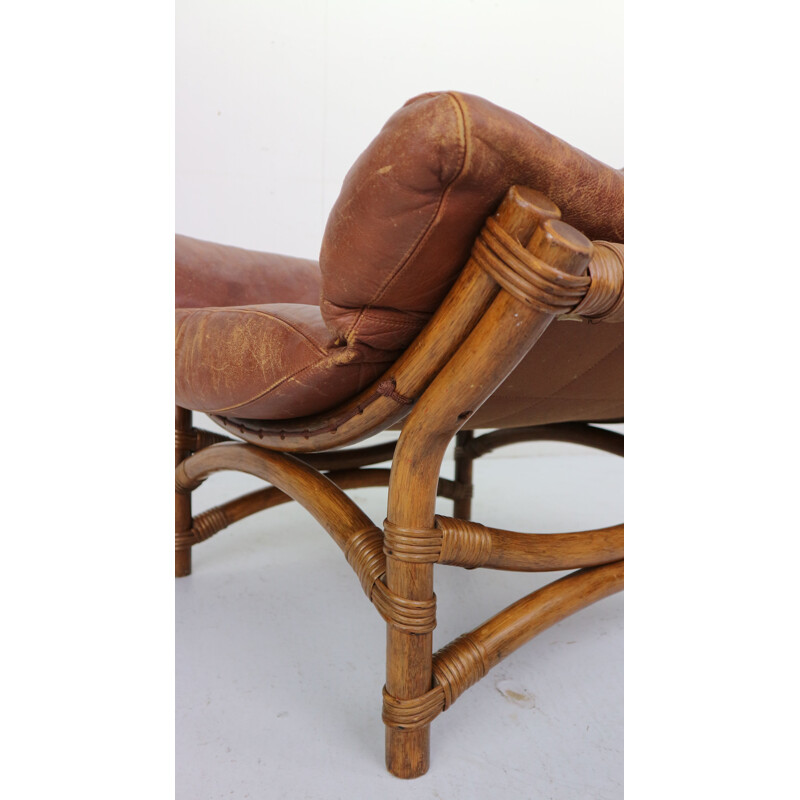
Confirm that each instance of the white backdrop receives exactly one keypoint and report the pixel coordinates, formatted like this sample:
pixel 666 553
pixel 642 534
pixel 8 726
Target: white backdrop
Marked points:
pixel 87 196
pixel 275 100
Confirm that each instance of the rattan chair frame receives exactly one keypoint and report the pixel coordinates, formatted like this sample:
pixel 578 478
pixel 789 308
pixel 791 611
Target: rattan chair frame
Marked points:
pixel 527 269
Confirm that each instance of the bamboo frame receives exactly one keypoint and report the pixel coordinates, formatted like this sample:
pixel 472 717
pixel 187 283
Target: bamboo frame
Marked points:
pixel 471 545
pixel 455 364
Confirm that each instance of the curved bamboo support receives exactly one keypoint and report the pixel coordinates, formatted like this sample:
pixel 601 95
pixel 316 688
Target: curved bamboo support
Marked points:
pixel 570 432
pixel 212 521
pixel 521 621
pixel 469 544
pixel 349 527
pixel 468 448
pixel 216 519
pixel 467 659
pixel 319 495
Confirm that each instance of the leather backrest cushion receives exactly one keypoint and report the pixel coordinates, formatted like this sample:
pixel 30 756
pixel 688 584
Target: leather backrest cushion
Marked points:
pixel 413 203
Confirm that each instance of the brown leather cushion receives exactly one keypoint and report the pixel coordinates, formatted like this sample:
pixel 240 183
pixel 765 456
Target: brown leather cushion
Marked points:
pixel 573 373
pixel 413 203
pixel 208 274
pixel 396 239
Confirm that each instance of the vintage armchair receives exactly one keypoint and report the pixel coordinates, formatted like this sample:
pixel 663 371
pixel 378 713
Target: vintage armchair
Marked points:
pixel 470 277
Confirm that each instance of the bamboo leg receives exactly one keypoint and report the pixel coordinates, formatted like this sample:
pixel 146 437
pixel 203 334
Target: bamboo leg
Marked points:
pixel 482 363
pixel 409 656
pixel 462 506
pixel 183 500
pixel 412 491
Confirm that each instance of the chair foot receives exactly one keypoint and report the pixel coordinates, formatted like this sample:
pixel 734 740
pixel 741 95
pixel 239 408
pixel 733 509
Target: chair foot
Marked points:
pixel 408 752
pixel 183 562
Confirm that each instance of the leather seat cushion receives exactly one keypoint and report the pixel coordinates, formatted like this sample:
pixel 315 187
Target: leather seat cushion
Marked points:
pixel 263 361
pixel 229 359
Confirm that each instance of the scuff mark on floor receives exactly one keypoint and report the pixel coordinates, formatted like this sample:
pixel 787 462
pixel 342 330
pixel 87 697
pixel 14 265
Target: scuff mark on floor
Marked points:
pixel 516 693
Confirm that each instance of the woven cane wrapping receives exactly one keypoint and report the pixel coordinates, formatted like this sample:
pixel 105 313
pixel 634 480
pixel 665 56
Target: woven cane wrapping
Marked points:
pixel 459 665
pixel 205 525
pixel 452 541
pixel 410 616
pixel 411 544
pixel 598 296
pixel 466 544
pixel 185 440
pixel 525 276
pixel 364 553
pixel 414 713
pixel 455 668
pixel 605 300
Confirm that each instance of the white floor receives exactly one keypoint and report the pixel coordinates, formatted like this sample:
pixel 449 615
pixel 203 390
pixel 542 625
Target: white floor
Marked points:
pixel 280 657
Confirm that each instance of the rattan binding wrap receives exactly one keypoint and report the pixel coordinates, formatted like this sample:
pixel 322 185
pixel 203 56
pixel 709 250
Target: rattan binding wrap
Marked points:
pixel 204 526
pixel 410 616
pixel 456 667
pixel 597 296
pixel 452 541
pixel 408 715
pixel 364 553
pixel 468 544
pixel 605 299
pixel 412 544
pixel 525 276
